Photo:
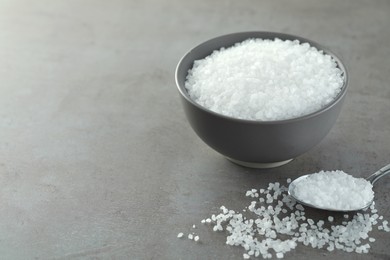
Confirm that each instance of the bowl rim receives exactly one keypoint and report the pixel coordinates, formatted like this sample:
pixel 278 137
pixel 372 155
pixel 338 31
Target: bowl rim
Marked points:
pixel 318 46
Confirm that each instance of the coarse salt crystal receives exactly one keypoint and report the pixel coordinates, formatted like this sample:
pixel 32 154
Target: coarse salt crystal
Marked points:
pixel 180 235
pixel 334 189
pixel 264 230
pixel 265 80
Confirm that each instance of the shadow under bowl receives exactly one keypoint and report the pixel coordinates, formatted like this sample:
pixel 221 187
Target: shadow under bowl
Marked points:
pixel 256 144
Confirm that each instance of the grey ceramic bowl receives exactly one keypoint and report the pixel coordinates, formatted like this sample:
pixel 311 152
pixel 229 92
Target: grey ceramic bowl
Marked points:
pixel 259 144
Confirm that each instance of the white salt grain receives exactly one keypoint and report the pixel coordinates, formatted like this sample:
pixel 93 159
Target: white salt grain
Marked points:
pixel 180 235
pixel 279 227
pixel 265 80
pixel 385 226
pixel 334 189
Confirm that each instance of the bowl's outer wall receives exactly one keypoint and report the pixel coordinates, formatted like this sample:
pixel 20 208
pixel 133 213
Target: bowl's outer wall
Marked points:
pixel 252 141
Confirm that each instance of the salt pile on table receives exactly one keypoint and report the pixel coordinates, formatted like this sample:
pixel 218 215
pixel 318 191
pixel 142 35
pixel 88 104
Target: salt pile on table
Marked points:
pixel 274 224
pixel 265 80
pixel 334 189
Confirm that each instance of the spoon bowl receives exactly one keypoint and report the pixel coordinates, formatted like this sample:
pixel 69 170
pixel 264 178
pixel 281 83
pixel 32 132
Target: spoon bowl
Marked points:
pixel 372 179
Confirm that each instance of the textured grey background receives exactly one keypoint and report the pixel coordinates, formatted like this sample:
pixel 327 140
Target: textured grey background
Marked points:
pixel 97 160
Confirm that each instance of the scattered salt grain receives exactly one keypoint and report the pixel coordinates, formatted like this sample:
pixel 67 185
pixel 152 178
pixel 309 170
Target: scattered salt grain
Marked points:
pixel 265 80
pixel 193 226
pixel 180 235
pixel 385 226
pixel 334 189
pixel 281 226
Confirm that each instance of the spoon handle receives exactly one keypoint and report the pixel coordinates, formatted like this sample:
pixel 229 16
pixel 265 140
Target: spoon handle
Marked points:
pixel 382 172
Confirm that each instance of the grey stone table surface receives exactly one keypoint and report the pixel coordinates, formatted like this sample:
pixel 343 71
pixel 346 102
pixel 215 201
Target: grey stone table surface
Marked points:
pixel 97 160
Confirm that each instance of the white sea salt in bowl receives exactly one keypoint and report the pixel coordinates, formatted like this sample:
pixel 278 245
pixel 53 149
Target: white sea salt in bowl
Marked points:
pixel 264 137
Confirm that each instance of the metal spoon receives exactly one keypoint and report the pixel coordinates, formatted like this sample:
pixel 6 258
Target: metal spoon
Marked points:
pixel 373 178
